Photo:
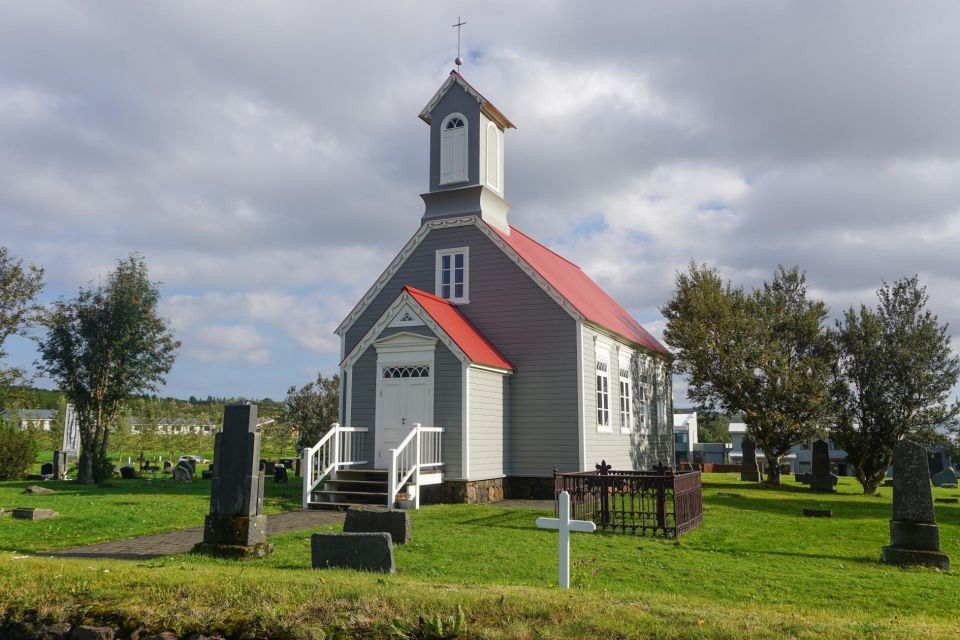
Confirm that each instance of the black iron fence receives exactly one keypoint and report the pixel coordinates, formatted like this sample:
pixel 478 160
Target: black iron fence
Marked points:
pixel 659 502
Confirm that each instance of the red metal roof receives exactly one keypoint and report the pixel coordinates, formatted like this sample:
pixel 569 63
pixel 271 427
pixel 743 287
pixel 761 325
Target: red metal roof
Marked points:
pixel 460 330
pixel 579 290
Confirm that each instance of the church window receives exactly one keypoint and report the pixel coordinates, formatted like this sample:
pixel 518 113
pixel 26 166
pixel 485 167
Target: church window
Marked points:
pixel 453 149
pixel 494 167
pixel 603 395
pixel 453 275
pixel 626 402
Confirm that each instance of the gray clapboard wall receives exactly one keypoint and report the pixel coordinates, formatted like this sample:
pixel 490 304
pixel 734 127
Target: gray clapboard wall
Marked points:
pixel 639 447
pixel 489 423
pixel 525 324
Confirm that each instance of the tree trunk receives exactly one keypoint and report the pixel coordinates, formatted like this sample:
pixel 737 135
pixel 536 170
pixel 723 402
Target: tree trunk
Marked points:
pixel 871 476
pixel 85 464
pixel 773 470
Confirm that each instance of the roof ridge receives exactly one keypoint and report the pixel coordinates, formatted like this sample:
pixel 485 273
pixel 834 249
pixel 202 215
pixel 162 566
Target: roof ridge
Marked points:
pixel 540 244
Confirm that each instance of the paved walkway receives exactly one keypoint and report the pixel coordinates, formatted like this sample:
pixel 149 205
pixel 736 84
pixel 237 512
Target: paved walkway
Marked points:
pixel 182 540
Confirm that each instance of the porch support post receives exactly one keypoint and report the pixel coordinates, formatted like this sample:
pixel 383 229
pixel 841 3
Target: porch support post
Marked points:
pixel 335 427
pixel 307 464
pixel 416 471
pixel 392 478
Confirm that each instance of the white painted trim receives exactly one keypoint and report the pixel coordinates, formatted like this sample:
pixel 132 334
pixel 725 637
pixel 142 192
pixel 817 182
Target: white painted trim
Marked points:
pixel 486 367
pixel 395 265
pixel 601 354
pixel 581 423
pixel 465 424
pixel 437 274
pixel 636 346
pixel 399 321
pixel 348 406
pixel 448 150
pixel 382 322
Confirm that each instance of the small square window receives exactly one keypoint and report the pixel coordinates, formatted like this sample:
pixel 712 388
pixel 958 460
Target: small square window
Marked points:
pixel 453 274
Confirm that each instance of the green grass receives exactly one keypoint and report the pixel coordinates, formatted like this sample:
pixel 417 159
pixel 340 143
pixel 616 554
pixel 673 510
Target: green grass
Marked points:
pixel 90 514
pixel 755 569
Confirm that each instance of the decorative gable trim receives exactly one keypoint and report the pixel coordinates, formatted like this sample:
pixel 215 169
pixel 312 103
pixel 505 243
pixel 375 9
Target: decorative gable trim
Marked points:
pixel 403 300
pixel 486 106
pixel 406 317
pixel 398 261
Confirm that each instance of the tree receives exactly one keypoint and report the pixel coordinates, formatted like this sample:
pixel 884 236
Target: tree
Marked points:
pixel 311 409
pixel 102 347
pixel 893 377
pixel 713 427
pixel 19 286
pixel 763 354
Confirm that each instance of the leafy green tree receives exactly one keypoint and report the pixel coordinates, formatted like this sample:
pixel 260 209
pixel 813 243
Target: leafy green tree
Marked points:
pixel 713 427
pixel 18 450
pixel 763 354
pixel 19 286
pixel 894 374
pixel 310 410
pixel 103 346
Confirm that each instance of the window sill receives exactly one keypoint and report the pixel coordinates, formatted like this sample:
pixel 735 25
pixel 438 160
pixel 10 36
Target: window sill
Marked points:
pixel 449 182
pixel 456 301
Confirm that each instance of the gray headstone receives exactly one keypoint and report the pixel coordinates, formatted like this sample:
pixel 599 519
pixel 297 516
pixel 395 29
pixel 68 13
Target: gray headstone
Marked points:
pixel 182 473
pixel 364 519
pixel 236 492
pixel 945 477
pixel 804 478
pixel 38 491
pixel 914 535
pixel 34 514
pixel 821 478
pixel 912 497
pixel 361 551
pixel 59 464
pixel 749 469
pixel 237 487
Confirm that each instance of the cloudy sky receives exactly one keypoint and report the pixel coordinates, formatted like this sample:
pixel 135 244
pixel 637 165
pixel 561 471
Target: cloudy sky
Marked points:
pixel 267 159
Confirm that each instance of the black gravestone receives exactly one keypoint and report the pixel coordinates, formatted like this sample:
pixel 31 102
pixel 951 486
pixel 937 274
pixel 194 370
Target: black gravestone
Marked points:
pixel 749 469
pixel 59 465
pixel 821 478
pixel 128 473
pixel 362 551
pixel 280 473
pixel 46 469
pixel 236 526
pixel 914 535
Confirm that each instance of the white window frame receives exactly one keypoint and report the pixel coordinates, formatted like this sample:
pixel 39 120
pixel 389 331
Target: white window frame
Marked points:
pixel 643 410
pixel 438 290
pixel 626 401
pixel 448 150
pixel 603 397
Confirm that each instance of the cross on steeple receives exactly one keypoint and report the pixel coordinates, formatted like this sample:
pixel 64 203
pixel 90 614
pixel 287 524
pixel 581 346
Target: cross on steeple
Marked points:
pixel 459 60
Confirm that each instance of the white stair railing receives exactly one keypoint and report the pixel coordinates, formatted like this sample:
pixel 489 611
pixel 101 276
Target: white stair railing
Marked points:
pixel 419 451
pixel 339 447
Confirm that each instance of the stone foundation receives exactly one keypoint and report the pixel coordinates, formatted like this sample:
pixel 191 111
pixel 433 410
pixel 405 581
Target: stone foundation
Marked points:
pixel 464 492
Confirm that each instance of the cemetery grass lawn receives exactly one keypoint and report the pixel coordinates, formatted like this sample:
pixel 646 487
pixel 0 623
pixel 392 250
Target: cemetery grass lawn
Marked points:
pixel 755 569
pixel 91 514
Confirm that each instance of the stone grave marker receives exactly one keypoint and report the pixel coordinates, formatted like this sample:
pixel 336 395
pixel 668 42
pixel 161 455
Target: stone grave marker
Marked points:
pixel 371 519
pixel 361 551
pixel 128 473
pixel 749 468
pixel 565 525
pixel 804 478
pixel 46 469
pixel 59 465
pixel 914 535
pixel 280 473
pixel 182 473
pixel 821 479
pixel 945 477
pixel 38 491
pixel 34 514
pixel 236 526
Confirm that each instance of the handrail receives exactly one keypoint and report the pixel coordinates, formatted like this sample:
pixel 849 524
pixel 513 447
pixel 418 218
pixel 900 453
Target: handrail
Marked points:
pixel 421 448
pixel 337 448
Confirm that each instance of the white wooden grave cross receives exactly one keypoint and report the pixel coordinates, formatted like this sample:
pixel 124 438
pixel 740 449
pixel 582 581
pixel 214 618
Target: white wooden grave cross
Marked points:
pixel 565 525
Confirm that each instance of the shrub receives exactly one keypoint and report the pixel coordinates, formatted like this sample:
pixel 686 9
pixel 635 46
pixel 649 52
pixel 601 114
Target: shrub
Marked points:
pixel 18 450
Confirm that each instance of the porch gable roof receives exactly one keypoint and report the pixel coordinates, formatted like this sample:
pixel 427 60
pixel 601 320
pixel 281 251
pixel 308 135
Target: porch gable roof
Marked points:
pixel 456 325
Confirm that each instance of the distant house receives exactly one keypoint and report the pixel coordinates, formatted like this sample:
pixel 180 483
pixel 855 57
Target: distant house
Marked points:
pixel 39 419
pixel 509 357
pixel 738 431
pixel 684 436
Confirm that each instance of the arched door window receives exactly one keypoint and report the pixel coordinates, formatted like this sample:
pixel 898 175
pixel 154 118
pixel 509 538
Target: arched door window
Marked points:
pixel 453 149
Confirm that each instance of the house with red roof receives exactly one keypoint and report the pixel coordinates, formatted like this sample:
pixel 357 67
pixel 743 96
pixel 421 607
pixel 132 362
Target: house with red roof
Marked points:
pixel 481 360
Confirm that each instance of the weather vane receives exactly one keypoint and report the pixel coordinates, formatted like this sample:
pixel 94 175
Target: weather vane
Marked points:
pixel 459 60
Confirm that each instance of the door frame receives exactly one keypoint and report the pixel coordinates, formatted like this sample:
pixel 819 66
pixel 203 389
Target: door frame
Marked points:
pixel 401 349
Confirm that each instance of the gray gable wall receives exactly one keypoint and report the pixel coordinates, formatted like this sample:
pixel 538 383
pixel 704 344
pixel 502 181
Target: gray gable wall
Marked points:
pixel 525 324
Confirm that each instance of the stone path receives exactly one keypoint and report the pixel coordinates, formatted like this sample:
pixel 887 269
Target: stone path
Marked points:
pixel 182 540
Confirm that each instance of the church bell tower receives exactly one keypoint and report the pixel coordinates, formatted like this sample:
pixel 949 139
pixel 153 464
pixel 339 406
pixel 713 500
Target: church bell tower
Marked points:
pixel 466 155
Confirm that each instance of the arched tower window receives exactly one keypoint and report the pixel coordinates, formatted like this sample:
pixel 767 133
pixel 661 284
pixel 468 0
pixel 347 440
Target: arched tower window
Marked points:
pixel 453 149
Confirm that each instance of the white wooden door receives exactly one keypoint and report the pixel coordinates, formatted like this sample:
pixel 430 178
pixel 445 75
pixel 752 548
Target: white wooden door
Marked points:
pixel 406 398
